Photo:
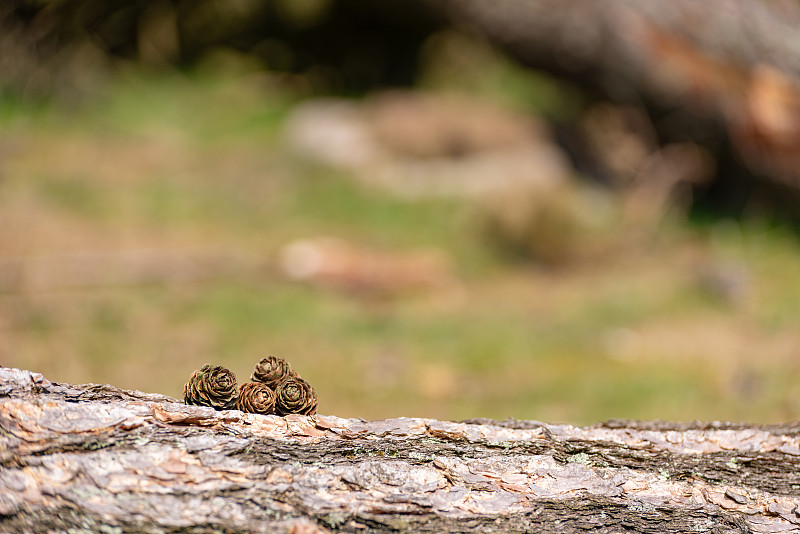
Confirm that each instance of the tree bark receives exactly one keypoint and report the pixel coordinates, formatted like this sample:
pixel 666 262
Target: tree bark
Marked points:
pixel 97 458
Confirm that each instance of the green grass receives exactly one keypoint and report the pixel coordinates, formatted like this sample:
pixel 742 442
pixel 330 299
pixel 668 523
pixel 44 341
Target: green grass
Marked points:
pixel 73 195
pixel 188 161
pixel 238 108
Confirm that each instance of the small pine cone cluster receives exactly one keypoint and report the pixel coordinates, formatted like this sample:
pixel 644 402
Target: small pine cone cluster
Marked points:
pixel 292 393
pixel 275 388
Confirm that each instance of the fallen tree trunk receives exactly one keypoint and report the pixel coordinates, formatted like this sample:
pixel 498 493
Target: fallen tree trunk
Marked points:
pixel 97 458
pixel 723 74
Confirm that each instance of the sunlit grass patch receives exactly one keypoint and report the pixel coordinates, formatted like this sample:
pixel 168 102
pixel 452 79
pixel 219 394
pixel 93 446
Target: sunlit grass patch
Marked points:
pixel 194 106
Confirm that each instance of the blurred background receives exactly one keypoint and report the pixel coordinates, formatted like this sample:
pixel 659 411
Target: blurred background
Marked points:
pixel 565 211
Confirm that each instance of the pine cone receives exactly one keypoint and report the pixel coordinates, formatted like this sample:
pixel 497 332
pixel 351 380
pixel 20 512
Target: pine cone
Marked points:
pixel 211 386
pixel 295 395
pixel 256 397
pixel 271 371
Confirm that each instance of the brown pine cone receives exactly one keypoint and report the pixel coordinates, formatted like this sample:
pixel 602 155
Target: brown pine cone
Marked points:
pixel 295 395
pixel 256 397
pixel 271 371
pixel 213 386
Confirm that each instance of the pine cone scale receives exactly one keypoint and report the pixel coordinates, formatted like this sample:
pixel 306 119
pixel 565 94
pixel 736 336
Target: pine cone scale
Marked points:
pixel 256 397
pixel 213 386
pixel 271 371
pixel 295 395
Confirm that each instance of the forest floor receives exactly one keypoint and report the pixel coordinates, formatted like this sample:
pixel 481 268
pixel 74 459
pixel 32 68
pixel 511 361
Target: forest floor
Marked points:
pixel 143 236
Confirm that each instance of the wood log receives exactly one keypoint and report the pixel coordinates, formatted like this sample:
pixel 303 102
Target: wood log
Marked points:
pixel 96 458
pixel 723 74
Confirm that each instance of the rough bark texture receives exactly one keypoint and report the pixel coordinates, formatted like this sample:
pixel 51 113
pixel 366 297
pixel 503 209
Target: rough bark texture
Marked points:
pixel 100 459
